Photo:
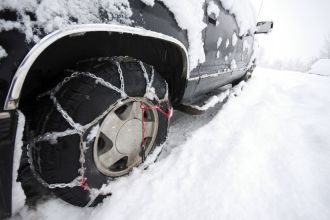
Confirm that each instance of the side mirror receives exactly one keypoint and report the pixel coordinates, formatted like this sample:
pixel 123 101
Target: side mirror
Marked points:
pixel 264 27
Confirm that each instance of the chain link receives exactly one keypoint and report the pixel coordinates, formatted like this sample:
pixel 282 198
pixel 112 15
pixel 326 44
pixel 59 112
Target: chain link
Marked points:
pixel 104 83
pixel 59 85
pixel 152 75
pixel 145 74
pixel 30 161
pixel 72 184
pixel 52 136
pixel 120 76
pixel 65 115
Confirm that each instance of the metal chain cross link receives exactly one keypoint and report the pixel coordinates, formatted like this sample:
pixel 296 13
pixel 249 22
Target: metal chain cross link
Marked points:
pixel 122 84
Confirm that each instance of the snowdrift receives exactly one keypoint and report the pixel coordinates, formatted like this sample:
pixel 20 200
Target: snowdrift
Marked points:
pixel 321 67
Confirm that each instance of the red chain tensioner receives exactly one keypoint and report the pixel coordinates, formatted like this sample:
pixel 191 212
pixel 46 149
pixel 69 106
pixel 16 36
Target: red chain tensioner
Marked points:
pixel 83 183
pixel 144 107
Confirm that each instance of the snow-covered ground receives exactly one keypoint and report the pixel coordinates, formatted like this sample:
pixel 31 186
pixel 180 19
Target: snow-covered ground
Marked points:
pixel 321 67
pixel 265 154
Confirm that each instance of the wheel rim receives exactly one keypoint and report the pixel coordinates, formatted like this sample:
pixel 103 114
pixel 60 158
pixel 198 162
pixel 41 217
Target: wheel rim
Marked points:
pixel 117 146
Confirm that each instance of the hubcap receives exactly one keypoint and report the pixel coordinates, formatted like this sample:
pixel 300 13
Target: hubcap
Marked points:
pixel 117 147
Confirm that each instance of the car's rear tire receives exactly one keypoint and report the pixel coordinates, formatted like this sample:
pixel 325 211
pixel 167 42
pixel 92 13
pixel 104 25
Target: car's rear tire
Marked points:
pixel 119 132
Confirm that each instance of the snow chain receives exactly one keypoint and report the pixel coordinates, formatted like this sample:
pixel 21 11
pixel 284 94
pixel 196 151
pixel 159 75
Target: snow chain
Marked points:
pixel 79 129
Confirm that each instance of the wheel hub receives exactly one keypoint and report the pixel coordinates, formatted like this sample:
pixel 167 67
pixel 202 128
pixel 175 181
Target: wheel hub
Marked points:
pixel 117 147
pixel 129 137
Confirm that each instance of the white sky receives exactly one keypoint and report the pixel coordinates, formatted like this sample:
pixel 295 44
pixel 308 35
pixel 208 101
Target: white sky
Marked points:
pixel 300 27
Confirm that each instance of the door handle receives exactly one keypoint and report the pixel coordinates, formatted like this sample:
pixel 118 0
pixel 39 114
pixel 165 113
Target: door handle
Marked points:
pixel 212 19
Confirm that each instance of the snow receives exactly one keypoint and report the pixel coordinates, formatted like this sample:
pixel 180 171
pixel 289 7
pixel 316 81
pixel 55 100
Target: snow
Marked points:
pixel 264 155
pixel 52 137
pixel 227 43
pixel 8 25
pixel 92 134
pixel 255 54
pixel 212 8
pixel 233 64
pixel 245 14
pixel 216 99
pixel 149 2
pixel 3 53
pixel 219 42
pixel 18 196
pixel 246 46
pixel 52 15
pixel 189 15
pixel 234 39
pixel 321 67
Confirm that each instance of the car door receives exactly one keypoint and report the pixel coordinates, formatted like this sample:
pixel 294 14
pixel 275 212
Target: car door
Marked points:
pixel 224 48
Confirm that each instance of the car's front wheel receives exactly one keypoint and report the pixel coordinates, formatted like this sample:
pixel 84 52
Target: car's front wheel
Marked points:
pixel 98 124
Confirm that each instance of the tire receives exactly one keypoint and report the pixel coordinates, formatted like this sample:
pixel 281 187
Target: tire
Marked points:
pixel 84 100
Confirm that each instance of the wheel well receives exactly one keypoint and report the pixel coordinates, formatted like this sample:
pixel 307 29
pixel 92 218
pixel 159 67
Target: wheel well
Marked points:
pixel 48 69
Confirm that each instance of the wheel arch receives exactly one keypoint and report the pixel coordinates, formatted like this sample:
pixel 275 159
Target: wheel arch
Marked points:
pixel 76 42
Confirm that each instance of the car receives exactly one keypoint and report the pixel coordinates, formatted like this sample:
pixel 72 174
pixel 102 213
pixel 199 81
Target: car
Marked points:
pixel 97 93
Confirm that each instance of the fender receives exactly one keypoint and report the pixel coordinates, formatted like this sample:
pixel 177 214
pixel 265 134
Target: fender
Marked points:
pixel 22 71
